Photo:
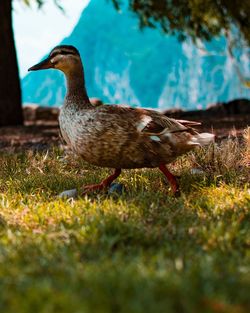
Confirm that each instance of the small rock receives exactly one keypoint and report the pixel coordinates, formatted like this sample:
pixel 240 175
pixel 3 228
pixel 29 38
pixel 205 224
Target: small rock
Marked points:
pixel 67 194
pixel 117 189
pixel 197 171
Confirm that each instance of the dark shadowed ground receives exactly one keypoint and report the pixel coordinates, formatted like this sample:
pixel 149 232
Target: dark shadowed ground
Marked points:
pixel 41 126
pixel 40 135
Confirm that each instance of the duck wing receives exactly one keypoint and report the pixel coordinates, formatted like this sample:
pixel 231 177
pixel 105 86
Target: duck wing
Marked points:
pixel 189 123
pixel 159 124
pixel 145 121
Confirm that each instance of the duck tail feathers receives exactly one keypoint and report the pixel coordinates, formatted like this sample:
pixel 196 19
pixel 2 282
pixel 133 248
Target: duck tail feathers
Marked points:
pixel 202 139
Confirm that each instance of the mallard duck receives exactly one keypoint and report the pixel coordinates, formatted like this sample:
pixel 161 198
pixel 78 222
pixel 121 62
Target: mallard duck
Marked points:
pixel 116 136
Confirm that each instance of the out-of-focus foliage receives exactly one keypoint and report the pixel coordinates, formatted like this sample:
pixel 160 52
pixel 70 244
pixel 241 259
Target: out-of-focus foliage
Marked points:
pixel 201 19
pixel 40 3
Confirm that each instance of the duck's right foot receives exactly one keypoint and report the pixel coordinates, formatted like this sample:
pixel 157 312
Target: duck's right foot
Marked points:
pixel 171 179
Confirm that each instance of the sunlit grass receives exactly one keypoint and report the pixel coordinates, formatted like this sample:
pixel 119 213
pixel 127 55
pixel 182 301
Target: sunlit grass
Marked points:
pixel 144 251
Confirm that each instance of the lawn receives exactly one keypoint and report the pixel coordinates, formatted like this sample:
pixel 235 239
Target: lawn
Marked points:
pixel 142 251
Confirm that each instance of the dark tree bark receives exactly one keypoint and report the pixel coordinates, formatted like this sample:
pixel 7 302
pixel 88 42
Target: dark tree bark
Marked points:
pixel 10 90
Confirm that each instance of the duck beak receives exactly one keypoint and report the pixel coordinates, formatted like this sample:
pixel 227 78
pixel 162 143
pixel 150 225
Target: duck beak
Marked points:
pixel 45 64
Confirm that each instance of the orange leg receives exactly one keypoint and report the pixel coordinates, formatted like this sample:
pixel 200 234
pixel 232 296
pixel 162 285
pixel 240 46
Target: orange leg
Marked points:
pixel 104 184
pixel 171 178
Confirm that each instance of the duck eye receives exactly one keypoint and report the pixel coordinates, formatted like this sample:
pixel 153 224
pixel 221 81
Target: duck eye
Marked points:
pixel 58 53
pixel 66 53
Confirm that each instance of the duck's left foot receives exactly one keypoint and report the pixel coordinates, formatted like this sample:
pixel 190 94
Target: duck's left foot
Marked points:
pixel 172 180
pixel 104 185
pixel 92 188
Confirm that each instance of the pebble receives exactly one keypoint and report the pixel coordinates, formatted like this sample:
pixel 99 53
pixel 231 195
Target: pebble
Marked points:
pixel 197 171
pixel 67 194
pixel 116 189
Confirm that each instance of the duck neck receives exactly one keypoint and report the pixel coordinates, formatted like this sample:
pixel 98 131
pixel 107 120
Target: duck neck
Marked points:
pixel 76 91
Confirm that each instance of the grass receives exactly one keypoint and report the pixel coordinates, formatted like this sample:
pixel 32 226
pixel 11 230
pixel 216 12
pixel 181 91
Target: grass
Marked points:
pixel 144 251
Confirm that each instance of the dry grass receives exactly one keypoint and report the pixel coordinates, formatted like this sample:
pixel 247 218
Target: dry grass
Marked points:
pixel 246 158
pixel 144 251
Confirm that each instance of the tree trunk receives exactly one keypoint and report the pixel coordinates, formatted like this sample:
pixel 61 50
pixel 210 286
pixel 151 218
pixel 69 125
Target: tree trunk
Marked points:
pixel 10 90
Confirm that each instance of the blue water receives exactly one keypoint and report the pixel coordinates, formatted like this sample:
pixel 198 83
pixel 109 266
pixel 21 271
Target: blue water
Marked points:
pixel 149 69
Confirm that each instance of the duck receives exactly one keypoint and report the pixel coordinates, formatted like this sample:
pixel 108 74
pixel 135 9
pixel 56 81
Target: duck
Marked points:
pixel 117 136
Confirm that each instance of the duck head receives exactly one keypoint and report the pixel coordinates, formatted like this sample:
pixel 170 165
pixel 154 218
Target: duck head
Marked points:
pixel 65 58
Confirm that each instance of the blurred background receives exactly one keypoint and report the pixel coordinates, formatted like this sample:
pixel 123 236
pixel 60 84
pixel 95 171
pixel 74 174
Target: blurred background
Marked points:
pixel 163 54
pixel 124 64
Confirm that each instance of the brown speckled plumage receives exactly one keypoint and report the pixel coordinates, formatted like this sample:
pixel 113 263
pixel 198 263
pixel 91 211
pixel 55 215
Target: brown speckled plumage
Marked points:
pixel 116 136
pixel 108 136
